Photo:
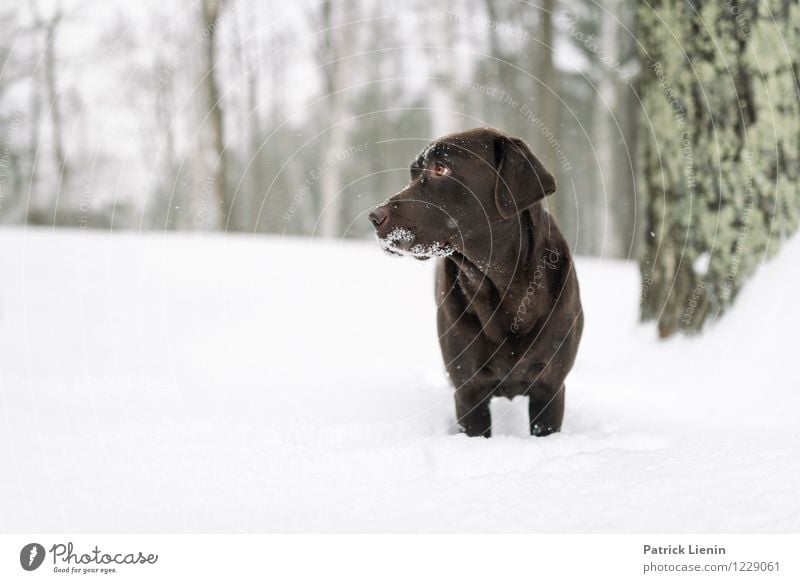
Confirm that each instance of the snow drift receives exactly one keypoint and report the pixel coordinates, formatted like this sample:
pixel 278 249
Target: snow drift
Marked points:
pixel 153 383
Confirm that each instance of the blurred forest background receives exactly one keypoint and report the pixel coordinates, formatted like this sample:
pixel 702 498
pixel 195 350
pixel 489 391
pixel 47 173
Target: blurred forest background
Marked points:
pixel 297 117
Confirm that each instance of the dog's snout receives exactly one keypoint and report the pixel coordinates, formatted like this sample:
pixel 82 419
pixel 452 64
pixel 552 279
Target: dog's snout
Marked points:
pixel 378 216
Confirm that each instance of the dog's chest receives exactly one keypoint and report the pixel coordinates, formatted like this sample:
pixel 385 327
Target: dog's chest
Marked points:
pixel 500 314
pixel 474 286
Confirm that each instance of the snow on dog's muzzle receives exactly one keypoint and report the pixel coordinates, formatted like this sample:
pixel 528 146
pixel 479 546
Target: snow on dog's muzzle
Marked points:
pixel 400 241
pixel 397 241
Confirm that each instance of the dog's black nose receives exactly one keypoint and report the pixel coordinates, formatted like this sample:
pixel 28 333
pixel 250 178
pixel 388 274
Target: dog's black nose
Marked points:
pixel 377 216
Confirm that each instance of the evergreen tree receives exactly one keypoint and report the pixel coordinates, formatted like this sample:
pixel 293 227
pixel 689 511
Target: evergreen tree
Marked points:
pixel 718 160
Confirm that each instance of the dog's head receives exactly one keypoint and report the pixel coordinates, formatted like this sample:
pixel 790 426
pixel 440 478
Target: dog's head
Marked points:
pixel 462 187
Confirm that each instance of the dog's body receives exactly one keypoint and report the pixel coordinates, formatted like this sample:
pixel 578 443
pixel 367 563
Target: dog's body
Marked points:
pixel 509 317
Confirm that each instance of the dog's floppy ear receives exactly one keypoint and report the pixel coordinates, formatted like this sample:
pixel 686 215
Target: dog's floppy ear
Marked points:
pixel 522 180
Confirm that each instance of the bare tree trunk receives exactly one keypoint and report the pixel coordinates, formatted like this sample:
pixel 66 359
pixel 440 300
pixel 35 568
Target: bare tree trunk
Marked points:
pixel 59 155
pixel 545 71
pixel 258 177
pixel 443 117
pixel 336 75
pixel 247 122
pixel 501 70
pixel 602 221
pixel 33 145
pixel 548 105
pixel 159 211
pixel 41 205
pixel 211 10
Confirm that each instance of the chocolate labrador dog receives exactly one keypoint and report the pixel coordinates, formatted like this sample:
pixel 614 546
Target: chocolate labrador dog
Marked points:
pixel 509 314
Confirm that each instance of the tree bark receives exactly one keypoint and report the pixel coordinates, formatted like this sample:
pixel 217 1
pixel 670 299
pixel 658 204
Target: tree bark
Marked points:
pixel 719 156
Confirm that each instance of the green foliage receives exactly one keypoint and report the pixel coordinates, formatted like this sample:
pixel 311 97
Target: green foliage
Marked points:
pixel 719 158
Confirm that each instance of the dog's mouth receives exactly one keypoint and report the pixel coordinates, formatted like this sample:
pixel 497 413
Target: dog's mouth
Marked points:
pixel 402 241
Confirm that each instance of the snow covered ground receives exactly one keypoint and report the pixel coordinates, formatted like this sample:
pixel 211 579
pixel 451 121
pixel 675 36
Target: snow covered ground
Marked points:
pixel 153 383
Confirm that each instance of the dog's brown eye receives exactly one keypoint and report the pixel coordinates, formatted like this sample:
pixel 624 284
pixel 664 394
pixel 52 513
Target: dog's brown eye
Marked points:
pixel 439 170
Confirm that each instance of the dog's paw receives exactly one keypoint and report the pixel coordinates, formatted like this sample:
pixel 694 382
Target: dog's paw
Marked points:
pixel 539 430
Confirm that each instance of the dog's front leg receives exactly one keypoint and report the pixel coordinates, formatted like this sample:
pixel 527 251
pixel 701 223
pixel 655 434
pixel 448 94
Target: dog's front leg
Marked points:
pixel 546 410
pixel 472 411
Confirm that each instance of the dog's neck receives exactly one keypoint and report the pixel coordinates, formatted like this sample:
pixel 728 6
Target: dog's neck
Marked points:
pixel 499 281
pixel 513 252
